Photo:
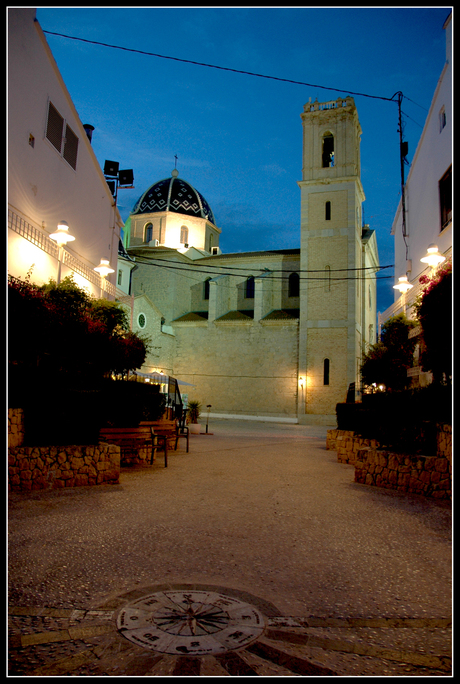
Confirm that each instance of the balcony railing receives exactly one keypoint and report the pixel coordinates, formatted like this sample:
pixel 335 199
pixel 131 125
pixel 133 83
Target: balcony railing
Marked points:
pixel 37 237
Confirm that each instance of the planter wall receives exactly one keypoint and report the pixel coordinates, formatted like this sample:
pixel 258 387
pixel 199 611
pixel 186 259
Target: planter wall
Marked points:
pixel 347 444
pixel 427 475
pixel 54 467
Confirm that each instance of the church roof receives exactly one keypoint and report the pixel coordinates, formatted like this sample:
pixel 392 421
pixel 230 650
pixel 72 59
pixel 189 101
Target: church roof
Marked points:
pixel 174 194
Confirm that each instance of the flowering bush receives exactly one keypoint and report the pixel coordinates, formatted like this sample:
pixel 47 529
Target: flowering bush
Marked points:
pixel 433 309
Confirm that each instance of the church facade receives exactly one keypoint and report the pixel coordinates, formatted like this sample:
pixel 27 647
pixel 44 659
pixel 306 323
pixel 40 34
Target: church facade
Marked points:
pixel 273 334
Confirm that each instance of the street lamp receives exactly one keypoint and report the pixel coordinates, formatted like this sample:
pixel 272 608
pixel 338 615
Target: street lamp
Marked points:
pixel 104 268
pixel 403 285
pixel 62 237
pixel 433 258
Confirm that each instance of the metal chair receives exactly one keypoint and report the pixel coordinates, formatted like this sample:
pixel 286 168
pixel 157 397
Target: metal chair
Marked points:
pixel 182 429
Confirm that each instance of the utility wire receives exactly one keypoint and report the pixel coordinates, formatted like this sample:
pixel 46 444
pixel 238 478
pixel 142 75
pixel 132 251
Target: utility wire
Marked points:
pixel 270 270
pixel 197 270
pixel 214 66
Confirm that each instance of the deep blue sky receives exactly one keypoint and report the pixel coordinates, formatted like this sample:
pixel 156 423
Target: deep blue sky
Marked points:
pixel 238 138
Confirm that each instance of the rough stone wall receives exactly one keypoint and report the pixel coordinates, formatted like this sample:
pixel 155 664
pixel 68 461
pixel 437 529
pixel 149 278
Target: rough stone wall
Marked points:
pixel 15 427
pixel 55 467
pixel 444 442
pixel 347 444
pixel 426 475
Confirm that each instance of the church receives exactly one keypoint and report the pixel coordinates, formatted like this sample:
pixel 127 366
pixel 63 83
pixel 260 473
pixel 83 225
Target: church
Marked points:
pixel 264 335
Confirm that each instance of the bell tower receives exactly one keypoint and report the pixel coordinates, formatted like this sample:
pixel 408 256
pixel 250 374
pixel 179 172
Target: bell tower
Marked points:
pixel 330 335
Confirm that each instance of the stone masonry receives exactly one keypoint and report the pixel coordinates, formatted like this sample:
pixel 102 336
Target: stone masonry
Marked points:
pixel 426 475
pixel 56 467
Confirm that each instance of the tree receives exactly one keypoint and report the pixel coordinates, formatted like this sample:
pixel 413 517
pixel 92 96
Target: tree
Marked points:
pixel 386 362
pixel 60 329
pixel 433 309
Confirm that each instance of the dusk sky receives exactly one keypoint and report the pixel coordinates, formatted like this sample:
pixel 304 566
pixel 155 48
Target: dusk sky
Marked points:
pixel 238 137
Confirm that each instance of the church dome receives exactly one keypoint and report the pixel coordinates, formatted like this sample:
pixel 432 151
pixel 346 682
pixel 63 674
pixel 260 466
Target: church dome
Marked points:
pixel 174 194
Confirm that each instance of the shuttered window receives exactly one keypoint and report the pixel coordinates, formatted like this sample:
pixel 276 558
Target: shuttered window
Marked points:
pixel 54 126
pixel 66 144
pixel 70 147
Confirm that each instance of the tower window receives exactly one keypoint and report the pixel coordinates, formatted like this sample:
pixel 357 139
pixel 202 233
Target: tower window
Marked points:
pixel 249 291
pixel 328 150
pixel 326 366
pixel 184 235
pixel 327 279
pixel 328 211
pixel 120 277
pixel 148 232
pixel 294 285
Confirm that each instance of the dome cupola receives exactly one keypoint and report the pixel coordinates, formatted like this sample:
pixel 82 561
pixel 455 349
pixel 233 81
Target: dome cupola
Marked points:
pixel 174 194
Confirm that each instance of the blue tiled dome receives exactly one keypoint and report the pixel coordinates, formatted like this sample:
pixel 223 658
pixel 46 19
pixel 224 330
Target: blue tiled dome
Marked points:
pixel 174 194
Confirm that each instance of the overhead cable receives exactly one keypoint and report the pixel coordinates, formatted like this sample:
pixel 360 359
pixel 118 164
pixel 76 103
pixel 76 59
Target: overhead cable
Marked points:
pixel 214 66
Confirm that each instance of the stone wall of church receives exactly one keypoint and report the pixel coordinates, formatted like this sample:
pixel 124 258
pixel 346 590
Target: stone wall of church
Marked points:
pixel 326 343
pixel 240 368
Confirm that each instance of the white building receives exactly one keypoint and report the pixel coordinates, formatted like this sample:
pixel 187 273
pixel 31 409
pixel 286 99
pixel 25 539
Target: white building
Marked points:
pixel 53 173
pixel 428 194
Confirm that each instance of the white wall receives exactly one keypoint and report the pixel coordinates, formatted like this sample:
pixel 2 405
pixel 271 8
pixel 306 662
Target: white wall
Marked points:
pixel 42 187
pixel 432 158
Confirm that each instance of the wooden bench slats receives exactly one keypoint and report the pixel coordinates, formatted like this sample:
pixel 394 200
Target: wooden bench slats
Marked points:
pixel 136 437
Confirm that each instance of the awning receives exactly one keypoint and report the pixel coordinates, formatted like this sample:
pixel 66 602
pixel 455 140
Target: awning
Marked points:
pixel 160 379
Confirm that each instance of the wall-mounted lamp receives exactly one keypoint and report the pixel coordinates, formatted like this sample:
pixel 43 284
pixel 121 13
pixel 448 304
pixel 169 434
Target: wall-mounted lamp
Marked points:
pixel 403 285
pixel 433 258
pixel 104 268
pixel 62 235
pixel 302 382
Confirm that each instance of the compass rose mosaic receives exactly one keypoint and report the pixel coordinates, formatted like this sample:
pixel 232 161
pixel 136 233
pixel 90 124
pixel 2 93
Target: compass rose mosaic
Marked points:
pixel 190 622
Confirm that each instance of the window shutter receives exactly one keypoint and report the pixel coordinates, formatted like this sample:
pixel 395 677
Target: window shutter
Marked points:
pixel 70 147
pixel 54 127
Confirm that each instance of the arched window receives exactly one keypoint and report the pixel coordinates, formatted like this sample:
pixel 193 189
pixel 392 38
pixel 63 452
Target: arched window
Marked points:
pixel 326 366
pixel 294 285
pixel 206 288
pixel 327 279
pixel 328 211
pixel 249 290
pixel 184 235
pixel 148 232
pixel 328 150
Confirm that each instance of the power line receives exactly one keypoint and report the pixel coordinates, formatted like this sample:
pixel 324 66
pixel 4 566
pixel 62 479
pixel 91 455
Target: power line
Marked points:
pixel 269 277
pixel 214 66
pixel 271 270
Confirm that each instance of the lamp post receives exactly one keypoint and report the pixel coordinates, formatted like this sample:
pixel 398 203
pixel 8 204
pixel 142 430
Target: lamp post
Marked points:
pixel 104 269
pixel 62 237
pixel 403 285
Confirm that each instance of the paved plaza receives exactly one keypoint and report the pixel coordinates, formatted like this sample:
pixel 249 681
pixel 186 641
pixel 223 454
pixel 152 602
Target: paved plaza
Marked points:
pixel 255 554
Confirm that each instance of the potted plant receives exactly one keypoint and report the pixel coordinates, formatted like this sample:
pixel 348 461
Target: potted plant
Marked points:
pixel 194 411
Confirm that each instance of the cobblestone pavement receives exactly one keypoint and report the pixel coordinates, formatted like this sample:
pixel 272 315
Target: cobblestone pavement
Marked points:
pixel 254 554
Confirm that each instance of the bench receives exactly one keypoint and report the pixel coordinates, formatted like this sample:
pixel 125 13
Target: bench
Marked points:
pixel 170 429
pixel 132 439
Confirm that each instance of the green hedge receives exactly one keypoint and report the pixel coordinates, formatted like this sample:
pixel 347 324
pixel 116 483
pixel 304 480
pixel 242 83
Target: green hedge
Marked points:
pixel 57 415
pixel 403 421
